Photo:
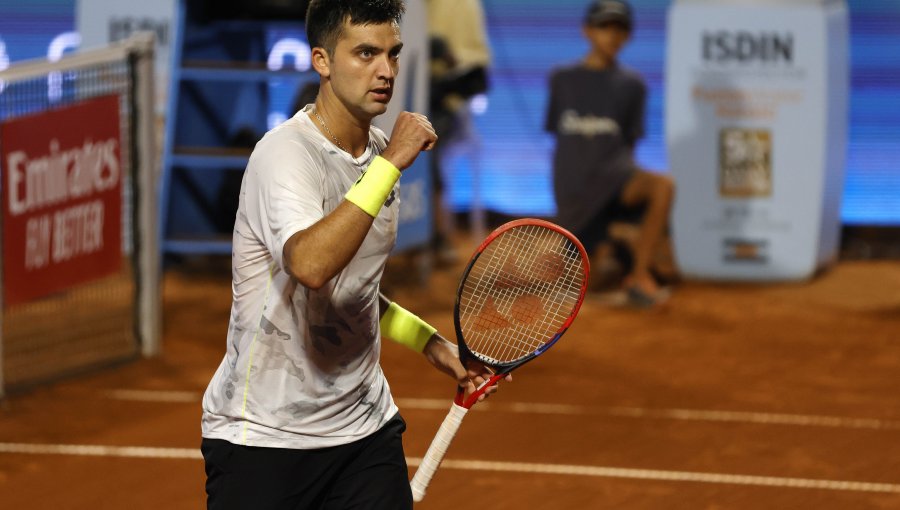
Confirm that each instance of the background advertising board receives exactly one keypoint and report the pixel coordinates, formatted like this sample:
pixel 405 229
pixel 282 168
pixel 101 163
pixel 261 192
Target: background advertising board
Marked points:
pixel 756 116
pixel 101 22
pixel 411 94
pixel 62 195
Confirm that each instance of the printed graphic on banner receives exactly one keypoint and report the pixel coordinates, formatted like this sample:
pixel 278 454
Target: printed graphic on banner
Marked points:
pixel 745 250
pixel 62 195
pixel 745 162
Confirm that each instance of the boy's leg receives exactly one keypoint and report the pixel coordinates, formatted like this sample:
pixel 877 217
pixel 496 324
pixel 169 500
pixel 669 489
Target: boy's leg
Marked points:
pixel 594 236
pixel 655 192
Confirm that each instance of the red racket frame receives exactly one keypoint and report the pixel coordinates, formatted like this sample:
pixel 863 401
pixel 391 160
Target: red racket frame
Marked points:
pixel 502 369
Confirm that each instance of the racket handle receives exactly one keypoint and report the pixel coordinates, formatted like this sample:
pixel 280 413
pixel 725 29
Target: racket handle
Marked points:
pixel 436 451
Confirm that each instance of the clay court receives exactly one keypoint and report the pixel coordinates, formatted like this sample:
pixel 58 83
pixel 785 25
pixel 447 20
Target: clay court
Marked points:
pixel 731 396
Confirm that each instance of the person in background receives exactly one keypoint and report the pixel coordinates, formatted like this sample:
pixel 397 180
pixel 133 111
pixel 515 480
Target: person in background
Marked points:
pixel 299 414
pixel 596 112
pixel 460 59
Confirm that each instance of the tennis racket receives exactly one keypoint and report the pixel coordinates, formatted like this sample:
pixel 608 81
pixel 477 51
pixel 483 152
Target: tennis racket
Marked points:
pixel 519 293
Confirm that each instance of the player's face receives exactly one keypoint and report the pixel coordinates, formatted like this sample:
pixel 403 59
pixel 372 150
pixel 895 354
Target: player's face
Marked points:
pixel 364 66
pixel 608 39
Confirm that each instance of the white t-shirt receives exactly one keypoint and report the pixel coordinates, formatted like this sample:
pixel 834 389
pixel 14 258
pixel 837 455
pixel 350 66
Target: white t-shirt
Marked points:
pixel 301 368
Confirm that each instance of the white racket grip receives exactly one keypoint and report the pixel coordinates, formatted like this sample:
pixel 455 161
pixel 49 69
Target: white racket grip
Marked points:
pixel 436 451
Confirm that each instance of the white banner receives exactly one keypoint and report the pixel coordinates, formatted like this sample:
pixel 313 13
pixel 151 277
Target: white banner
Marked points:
pixel 411 94
pixel 101 22
pixel 756 115
pixel 411 86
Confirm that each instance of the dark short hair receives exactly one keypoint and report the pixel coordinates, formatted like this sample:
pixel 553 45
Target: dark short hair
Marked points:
pixel 325 18
pixel 605 12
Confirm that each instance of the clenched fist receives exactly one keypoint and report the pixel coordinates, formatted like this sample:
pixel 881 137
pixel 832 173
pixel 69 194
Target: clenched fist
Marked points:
pixel 412 134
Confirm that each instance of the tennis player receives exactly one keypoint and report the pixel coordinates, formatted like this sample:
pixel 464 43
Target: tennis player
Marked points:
pixel 299 414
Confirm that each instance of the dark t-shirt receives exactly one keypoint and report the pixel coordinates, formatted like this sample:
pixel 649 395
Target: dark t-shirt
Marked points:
pixel 597 117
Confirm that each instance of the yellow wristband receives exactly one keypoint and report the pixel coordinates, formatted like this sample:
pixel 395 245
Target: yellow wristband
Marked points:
pixel 373 186
pixel 404 327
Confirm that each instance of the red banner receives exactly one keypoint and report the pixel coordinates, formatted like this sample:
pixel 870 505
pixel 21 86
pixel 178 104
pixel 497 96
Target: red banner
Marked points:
pixel 62 198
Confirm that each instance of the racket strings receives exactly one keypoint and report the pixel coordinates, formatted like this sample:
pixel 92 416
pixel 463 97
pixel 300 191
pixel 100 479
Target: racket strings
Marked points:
pixel 520 292
pixel 522 336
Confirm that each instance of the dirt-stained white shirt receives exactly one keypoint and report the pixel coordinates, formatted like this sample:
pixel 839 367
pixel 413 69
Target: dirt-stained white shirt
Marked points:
pixel 301 368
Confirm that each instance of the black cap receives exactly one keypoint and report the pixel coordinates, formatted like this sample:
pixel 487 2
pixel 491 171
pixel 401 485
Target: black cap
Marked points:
pixel 601 12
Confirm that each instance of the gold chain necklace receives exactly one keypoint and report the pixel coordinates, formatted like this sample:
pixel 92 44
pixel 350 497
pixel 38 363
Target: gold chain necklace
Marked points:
pixel 325 126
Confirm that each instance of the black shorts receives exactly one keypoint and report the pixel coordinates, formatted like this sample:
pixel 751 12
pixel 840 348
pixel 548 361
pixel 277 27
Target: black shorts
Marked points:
pixel 596 231
pixel 368 474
